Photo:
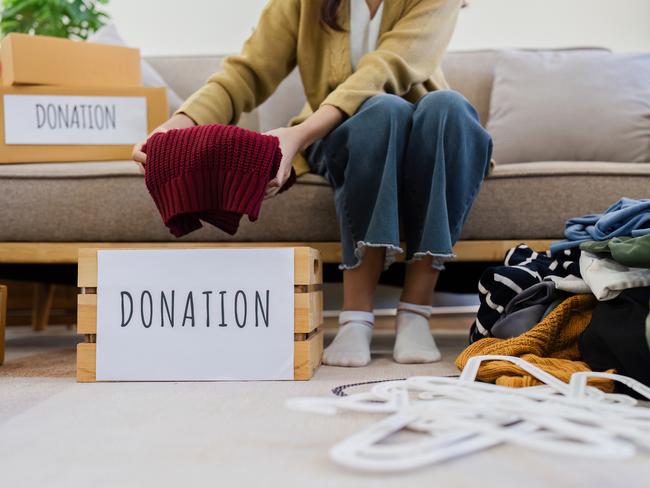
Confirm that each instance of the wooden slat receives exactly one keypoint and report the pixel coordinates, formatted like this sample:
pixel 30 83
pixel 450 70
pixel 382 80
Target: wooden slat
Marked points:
pixel 86 354
pixel 494 251
pixel 86 314
pixel 308 269
pixel 308 312
pixel 307 357
pixel 66 252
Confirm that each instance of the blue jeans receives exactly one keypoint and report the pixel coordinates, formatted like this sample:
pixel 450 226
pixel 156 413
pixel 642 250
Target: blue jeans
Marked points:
pixel 397 166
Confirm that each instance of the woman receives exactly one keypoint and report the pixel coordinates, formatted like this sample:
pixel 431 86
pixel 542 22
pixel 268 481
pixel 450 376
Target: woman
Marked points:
pixel 399 148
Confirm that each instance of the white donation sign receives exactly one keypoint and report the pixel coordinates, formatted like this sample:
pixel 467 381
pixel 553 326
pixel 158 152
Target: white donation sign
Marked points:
pixel 195 314
pixel 59 119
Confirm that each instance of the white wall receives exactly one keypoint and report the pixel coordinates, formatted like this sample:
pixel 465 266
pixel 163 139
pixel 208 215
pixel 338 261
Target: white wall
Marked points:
pixel 161 27
pixel 621 25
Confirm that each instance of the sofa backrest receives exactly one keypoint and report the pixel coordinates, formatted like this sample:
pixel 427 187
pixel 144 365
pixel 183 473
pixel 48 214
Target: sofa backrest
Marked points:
pixel 469 72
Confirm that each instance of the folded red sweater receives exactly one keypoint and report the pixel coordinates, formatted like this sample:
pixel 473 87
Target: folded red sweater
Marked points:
pixel 214 173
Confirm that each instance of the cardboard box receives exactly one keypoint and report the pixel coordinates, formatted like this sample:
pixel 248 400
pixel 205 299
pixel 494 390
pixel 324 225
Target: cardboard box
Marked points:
pixel 42 60
pixel 48 124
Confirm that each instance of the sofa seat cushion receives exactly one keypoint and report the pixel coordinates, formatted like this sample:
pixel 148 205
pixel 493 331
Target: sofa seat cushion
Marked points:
pixel 107 201
pixel 534 200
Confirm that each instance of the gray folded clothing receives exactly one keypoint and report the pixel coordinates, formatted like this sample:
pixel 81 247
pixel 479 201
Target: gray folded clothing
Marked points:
pixel 527 309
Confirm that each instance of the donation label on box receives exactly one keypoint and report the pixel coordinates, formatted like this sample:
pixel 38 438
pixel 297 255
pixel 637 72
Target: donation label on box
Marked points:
pixel 60 119
pixel 195 314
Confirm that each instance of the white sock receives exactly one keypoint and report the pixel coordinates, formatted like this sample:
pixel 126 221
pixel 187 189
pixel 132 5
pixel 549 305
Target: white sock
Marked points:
pixel 413 341
pixel 351 346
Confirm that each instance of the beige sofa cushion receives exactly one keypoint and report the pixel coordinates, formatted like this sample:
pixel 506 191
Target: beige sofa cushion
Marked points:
pixel 582 105
pixel 109 202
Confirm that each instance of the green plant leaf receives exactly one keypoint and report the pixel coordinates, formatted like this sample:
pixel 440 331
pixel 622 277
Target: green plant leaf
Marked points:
pixel 60 18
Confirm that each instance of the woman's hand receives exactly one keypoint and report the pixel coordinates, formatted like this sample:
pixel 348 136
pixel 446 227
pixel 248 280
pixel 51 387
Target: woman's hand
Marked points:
pixel 292 140
pixel 178 121
pixel 299 137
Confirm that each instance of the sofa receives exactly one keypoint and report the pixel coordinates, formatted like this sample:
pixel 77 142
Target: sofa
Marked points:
pixel 50 209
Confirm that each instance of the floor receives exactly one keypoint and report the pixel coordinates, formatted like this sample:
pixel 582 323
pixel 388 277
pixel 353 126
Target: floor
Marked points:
pixel 57 433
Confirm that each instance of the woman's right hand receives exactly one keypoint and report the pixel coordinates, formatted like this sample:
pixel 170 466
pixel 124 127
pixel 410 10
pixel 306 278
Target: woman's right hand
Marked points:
pixel 178 121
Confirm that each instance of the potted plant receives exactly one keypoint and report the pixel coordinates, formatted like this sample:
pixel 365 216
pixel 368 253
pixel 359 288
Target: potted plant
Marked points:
pixel 72 19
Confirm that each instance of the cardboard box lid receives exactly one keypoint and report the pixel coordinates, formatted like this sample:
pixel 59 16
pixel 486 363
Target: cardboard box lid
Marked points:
pixel 43 60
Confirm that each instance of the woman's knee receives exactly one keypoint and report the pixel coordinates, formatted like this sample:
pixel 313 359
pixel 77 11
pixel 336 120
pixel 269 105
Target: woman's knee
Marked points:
pixel 386 110
pixel 444 104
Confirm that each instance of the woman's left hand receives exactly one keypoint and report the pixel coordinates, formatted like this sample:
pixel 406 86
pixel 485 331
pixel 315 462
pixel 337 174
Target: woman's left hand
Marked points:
pixel 291 141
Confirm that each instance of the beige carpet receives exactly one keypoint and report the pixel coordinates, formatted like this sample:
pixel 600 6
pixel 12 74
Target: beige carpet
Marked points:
pixel 57 433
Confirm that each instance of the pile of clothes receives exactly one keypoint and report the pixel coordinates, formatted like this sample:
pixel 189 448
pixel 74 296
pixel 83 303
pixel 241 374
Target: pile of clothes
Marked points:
pixel 583 305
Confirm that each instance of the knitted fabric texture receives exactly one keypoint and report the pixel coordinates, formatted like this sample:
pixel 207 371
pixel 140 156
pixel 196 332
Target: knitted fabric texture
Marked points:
pixel 213 173
pixel 551 345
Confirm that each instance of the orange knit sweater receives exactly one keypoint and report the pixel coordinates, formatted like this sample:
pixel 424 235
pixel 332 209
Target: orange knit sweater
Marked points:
pixel 551 345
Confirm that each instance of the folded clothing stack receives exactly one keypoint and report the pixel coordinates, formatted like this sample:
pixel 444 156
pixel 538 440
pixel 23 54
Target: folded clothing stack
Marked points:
pixel 214 173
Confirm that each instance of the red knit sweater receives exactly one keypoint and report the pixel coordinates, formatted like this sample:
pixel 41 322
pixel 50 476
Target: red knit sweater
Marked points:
pixel 214 173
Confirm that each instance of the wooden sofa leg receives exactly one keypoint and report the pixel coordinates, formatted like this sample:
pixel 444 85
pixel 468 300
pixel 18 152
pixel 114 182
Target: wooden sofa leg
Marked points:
pixel 43 296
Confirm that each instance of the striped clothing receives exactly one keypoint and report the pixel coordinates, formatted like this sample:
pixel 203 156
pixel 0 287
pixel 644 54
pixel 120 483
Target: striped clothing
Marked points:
pixel 522 268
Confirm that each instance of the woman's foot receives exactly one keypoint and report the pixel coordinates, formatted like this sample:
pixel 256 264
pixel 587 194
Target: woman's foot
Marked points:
pixel 351 346
pixel 413 341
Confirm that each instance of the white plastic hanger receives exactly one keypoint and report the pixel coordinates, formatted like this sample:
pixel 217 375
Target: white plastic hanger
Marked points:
pixel 432 419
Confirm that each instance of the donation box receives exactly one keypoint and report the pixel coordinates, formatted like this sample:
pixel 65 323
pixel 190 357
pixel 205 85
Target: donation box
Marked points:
pixel 200 314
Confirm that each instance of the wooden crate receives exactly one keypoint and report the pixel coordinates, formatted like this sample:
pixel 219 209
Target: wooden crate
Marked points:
pixel 308 312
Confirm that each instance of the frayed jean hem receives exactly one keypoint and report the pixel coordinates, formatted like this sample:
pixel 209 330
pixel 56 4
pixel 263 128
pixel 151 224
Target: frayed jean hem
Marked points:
pixel 438 259
pixel 392 251
pixel 359 252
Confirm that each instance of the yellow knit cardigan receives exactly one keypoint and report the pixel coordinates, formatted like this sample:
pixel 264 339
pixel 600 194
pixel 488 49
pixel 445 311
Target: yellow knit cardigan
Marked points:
pixel 412 40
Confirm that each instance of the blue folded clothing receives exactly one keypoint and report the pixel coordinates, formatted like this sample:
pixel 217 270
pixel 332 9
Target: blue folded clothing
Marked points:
pixel 627 217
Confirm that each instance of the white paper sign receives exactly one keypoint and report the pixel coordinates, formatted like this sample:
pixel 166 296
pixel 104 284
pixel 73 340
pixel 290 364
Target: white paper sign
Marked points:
pixel 57 119
pixel 200 314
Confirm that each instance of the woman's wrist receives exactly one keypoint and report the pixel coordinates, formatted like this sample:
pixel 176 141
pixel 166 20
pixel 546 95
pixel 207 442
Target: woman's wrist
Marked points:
pixel 318 125
pixel 177 121
pixel 303 134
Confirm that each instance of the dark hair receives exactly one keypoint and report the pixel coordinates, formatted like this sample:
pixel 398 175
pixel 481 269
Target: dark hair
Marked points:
pixel 329 10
